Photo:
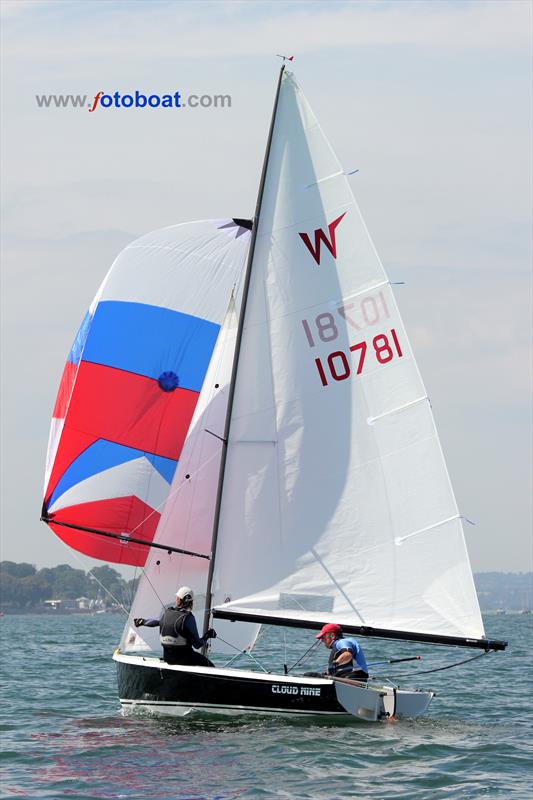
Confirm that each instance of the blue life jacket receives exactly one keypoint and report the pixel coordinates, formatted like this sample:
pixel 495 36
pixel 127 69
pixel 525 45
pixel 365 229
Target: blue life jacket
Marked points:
pixel 358 657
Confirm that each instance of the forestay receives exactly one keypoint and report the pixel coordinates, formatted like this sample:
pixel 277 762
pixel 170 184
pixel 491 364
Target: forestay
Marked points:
pixel 131 384
pixel 336 502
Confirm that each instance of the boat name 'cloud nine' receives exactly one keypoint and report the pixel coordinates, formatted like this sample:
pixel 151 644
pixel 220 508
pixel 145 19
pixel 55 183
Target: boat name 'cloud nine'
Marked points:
pixel 308 690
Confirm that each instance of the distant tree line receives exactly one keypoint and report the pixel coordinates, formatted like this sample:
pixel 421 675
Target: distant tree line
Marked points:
pixel 512 591
pixel 24 586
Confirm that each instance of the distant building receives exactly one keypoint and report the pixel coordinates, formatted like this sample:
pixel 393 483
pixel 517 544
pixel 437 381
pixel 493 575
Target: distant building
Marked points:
pixel 55 605
pixel 84 604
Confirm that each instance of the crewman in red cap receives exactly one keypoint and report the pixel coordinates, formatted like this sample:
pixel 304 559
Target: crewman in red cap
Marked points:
pixel 346 659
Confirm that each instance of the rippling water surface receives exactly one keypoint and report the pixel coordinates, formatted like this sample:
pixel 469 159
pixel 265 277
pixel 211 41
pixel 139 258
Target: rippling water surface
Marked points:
pixel 63 734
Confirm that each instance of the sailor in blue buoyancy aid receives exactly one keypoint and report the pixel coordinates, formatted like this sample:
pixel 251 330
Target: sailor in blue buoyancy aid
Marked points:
pixel 178 632
pixel 346 658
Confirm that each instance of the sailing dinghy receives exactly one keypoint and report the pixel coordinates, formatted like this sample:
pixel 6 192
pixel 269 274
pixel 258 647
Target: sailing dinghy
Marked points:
pixel 241 412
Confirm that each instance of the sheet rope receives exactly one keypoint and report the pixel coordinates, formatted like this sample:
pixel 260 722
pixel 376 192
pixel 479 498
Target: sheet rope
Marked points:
pixel 440 669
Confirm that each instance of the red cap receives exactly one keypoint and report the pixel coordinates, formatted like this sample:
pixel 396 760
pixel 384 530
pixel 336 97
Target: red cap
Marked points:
pixel 331 627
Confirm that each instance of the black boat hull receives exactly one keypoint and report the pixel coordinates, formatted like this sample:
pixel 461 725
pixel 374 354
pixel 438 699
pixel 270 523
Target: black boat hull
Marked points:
pixel 172 689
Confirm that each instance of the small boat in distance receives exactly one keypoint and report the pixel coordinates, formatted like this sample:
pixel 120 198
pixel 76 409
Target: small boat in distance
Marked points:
pixel 241 412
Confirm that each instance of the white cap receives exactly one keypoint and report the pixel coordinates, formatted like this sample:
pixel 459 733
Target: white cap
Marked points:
pixel 185 592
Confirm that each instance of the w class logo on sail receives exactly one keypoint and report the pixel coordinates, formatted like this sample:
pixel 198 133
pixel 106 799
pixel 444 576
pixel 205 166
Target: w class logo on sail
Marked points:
pixel 320 236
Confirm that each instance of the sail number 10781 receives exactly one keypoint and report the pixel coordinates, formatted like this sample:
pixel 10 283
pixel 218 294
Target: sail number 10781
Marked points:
pixel 384 347
pixel 371 311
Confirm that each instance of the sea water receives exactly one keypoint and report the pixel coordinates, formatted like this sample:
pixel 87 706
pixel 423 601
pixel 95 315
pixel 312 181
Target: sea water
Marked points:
pixel 64 735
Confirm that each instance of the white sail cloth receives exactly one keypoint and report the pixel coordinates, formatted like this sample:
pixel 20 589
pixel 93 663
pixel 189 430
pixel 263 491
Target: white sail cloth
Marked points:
pixel 336 505
pixel 187 520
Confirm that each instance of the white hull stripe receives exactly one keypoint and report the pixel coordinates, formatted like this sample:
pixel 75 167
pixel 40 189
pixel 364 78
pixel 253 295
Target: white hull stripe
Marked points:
pixel 220 707
pixel 271 677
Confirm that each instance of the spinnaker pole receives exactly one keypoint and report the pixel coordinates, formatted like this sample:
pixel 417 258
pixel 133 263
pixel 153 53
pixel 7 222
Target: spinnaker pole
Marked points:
pixel 240 327
pixel 123 538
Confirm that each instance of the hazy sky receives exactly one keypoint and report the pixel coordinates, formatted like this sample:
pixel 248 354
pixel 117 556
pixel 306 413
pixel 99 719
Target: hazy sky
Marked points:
pixel 431 101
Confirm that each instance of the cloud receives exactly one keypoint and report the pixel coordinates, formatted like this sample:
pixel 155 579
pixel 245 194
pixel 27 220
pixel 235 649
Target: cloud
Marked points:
pixel 471 335
pixel 429 100
pixel 193 30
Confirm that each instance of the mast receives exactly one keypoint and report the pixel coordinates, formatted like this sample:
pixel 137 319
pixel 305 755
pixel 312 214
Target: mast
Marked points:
pixel 240 328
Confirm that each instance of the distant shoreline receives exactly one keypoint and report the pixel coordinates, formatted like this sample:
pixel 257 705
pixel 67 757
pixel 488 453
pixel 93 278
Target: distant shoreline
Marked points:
pixel 18 612
pixel 7 611
pixel 63 590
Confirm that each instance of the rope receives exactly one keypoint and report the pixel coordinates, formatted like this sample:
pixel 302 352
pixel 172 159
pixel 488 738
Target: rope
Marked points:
pixel 441 669
pixel 90 572
pixel 302 658
pixel 153 587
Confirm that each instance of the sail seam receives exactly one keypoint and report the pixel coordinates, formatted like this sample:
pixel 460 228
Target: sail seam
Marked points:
pixel 334 209
pixel 142 450
pixel 254 441
pixel 268 323
pixel 136 374
pixel 201 442
pixel 299 310
pixel 174 492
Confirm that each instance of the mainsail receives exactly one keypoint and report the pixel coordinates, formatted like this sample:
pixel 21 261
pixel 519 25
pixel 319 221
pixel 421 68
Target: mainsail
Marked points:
pixel 131 384
pixel 335 496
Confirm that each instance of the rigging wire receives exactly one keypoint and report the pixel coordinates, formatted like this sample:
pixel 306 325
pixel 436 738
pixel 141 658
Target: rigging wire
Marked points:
pixel 118 603
pixel 153 587
pixel 302 658
pixel 241 652
pixel 90 572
